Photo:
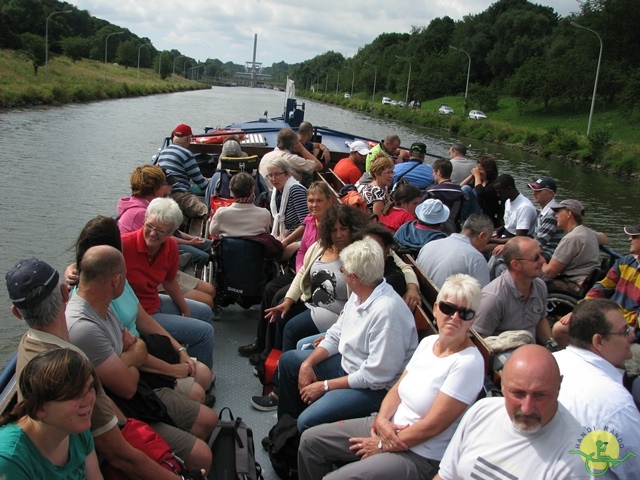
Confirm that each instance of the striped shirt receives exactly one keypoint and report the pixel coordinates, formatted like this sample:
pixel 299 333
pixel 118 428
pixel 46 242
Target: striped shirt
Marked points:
pixel 181 163
pixel 296 208
pixel 624 277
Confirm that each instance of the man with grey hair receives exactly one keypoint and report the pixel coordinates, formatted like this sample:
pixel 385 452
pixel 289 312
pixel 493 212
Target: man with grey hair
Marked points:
pixel 459 253
pixel 532 436
pixel 292 150
pixel 39 299
pixel 182 165
pixel 462 165
pixel 592 389
pixel 362 354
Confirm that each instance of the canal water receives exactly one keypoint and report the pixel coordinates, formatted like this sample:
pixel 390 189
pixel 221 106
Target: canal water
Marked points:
pixel 64 165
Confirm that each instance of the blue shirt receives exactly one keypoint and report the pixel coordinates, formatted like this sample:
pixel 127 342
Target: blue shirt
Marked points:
pixel 420 176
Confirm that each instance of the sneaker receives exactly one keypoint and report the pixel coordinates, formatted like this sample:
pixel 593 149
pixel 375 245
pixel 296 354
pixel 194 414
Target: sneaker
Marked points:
pixel 247 350
pixel 264 403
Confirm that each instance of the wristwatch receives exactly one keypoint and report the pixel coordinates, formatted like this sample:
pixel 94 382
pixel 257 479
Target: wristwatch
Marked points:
pixel 326 385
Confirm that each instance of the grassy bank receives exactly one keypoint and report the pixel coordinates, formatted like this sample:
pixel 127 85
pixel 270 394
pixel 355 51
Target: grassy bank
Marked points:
pixel 82 81
pixel 613 145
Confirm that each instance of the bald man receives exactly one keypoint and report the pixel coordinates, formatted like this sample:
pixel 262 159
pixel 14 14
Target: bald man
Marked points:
pixel 526 435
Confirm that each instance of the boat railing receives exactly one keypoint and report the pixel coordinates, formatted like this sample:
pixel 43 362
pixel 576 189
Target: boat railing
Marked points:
pixel 8 384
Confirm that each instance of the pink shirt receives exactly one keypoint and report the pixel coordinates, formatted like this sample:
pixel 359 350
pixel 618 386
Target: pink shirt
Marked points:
pixel 309 237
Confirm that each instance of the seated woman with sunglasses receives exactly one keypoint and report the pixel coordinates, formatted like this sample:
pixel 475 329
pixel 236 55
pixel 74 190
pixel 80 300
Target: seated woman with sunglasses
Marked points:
pixel 46 435
pixel 288 204
pixel 420 413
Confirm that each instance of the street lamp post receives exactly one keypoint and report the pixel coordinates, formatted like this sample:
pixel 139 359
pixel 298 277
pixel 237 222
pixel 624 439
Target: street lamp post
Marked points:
pixel 337 81
pixel 375 77
pixel 326 82
pixel 406 98
pixel 466 90
pixel 46 42
pixel 353 77
pixel 184 67
pixel 595 85
pixel 143 45
pixel 105 51
pixel 173 70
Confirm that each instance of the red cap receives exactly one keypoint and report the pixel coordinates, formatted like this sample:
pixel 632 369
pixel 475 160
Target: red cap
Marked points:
pixel 182 130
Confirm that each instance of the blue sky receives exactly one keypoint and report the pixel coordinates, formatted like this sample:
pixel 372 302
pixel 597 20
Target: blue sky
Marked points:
pixel 290 31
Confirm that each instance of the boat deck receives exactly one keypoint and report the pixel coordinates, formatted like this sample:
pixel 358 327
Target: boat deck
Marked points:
pixel 235 381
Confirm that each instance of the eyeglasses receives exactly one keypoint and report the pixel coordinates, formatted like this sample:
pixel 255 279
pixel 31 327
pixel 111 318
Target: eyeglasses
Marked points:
pixel 159 231
pixel 535 258
pixel 450 309
pixel 275 174
pixel 626 331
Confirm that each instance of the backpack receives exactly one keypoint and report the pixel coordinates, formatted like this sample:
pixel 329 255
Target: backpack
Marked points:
pixel 267 368
pixel 234 455
pixel 142 437
pixel 349 196
pixel 284 440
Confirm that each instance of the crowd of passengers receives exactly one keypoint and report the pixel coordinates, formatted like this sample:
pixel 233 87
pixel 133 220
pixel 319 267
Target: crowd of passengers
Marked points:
pixel 124 334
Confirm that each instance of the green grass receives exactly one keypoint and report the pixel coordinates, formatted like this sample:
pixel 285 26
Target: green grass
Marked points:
pixel 81 81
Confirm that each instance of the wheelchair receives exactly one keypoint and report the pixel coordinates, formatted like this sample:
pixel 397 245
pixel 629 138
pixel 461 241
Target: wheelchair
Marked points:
pixel 240 270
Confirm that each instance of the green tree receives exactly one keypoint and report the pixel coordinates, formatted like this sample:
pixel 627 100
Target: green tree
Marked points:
pixel 76 48
pixel 126 54
pixel 33 47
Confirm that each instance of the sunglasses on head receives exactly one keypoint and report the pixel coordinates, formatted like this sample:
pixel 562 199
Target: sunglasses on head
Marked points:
pixel 450 309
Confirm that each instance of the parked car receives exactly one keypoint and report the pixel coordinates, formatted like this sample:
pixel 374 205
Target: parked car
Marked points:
pixel 395 102
pixel 347 95
pixel 445 110
pixel 386 101
pixel 477 115
pixel 401 103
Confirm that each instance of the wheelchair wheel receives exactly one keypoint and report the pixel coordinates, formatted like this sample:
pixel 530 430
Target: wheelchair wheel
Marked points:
pixel 559 304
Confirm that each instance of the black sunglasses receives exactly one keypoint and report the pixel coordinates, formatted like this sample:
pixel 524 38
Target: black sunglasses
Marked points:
pixel 450 309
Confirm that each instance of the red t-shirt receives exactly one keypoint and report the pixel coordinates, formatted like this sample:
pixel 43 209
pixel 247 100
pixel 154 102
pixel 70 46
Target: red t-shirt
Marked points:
pixel 347 171
pixel 396 218
pixel 145 272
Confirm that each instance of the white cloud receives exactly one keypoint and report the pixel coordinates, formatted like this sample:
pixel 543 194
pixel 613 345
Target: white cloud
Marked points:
pixel 287 30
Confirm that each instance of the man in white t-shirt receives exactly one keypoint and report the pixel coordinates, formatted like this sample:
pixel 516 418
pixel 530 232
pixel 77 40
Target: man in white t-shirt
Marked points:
pixel 592 390
pixel 526 435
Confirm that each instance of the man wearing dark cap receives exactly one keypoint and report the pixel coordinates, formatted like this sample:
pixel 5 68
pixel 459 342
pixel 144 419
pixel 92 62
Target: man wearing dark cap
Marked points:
pixel 578 253
pixel 414 170
pixel 180 163
pixel 39 299
pixel 547 232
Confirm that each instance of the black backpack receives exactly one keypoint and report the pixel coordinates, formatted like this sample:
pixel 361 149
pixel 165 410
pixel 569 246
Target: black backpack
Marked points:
pixel 284 440
pixel 233 450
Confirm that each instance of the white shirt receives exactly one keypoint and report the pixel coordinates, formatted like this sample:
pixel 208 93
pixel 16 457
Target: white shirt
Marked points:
pixel 459 376
pixel 486 446
pixel 520 214
pixel 592 391
pixel 375 345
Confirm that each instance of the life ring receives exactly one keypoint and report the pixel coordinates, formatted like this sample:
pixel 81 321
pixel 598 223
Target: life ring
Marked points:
pixel 218 136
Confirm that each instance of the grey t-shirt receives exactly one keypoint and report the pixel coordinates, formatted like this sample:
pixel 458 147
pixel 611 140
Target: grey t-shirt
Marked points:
pixel 580 252
pixel 98 338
